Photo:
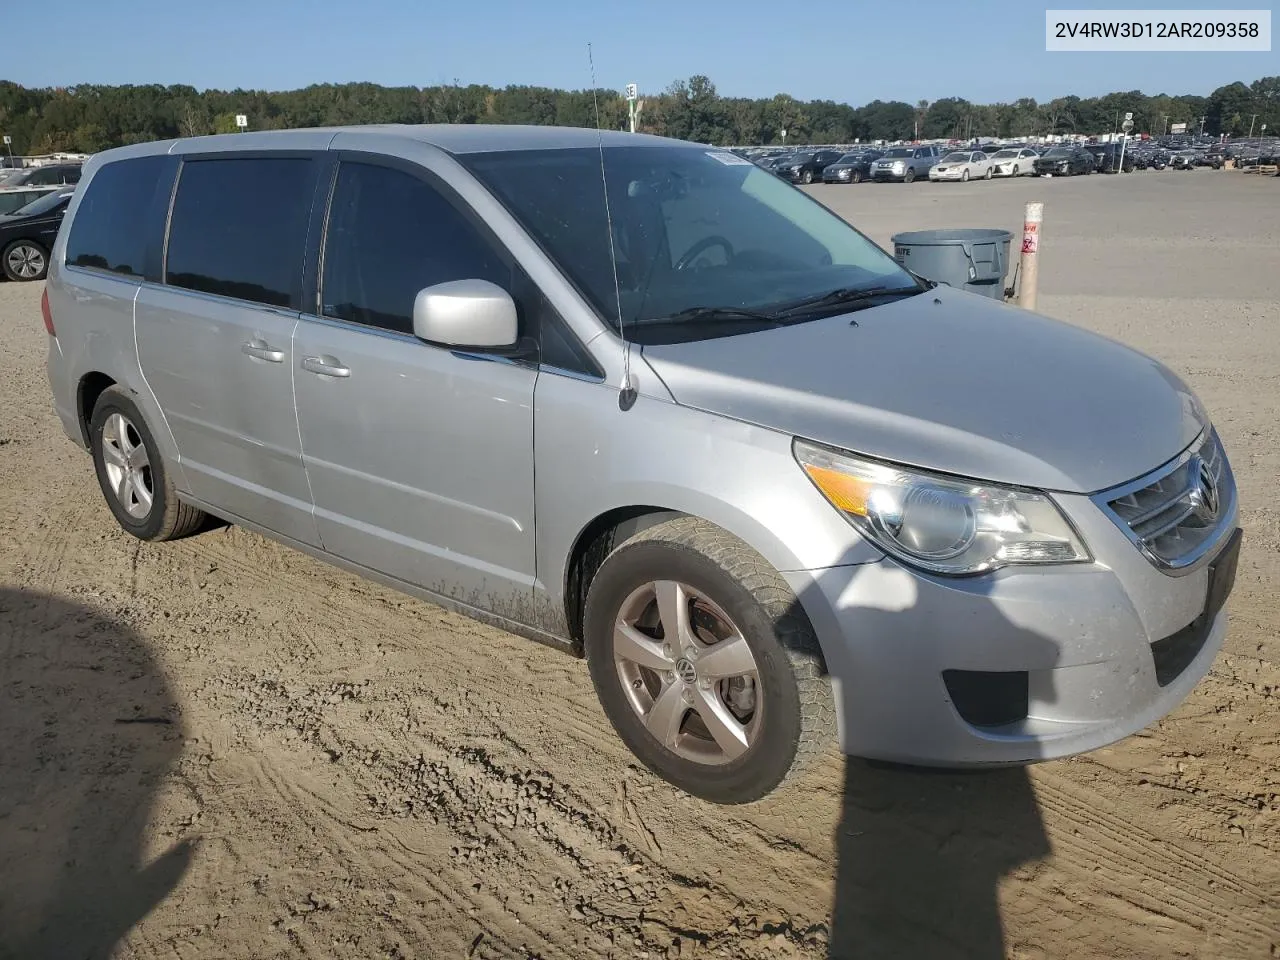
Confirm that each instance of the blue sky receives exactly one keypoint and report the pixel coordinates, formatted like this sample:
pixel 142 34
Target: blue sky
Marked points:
pixel 846 50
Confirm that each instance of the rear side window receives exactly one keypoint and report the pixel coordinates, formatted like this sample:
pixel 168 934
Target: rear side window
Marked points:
pixel 390 234
pixel 109 231
pixel 239 227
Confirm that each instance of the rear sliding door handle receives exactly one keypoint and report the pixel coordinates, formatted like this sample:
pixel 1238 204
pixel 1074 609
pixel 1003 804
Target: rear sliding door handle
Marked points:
pixel 259 349
pixel 325 367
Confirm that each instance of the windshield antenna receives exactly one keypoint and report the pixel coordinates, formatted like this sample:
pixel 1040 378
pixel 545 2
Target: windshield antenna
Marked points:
pixel 627 395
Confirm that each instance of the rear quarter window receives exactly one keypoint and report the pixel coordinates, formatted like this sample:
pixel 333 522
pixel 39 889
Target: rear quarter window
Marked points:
pixel 109 229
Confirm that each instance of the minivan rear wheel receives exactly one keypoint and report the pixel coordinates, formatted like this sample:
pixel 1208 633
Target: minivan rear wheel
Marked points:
pixel 132 474
pixel 704 662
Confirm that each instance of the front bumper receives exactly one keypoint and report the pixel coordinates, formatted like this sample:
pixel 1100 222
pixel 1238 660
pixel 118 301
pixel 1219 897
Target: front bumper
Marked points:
pixel 1022 665
pixel 946 175
pixel 880 174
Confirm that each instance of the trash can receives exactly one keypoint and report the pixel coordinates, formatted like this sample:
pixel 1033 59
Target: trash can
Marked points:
pixel 972 259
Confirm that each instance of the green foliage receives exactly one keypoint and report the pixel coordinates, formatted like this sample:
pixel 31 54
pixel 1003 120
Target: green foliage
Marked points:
pixel 89 118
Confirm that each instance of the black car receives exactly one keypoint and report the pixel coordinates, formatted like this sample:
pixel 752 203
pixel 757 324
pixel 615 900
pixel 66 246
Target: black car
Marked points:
pixel 851 168
pixel 1106 157
pixel 27 235
pixel 806 167
pixel 1184 160
pixel 1064 162
pixel 50 175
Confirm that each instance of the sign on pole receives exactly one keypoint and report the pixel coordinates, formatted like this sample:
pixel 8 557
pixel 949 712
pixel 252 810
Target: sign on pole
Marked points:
pixel 242 121
pixel 1178 128
pixel 8 139
pixel 632 91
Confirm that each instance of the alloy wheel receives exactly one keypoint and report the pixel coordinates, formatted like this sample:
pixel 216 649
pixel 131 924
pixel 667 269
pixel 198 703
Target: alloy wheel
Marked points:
pixel 128 466
pixel 26 261
pixel 688 672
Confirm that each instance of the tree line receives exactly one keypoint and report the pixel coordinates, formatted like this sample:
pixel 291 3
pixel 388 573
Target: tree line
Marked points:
pixel 91 117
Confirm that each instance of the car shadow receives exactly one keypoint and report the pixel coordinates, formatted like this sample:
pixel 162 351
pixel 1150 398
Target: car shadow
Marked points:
pixel 921 851
pixel 89 729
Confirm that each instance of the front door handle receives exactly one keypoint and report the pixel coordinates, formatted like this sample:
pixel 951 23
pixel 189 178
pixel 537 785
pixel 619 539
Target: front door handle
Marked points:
pixel 259 349
pixel 325 367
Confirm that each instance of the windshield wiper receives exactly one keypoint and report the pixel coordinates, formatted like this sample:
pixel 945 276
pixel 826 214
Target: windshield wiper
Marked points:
pixel 841 296
pixel 710 315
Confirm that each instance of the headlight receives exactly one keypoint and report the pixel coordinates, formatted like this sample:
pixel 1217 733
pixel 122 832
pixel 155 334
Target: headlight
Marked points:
pixel 898 164
pixel 941 524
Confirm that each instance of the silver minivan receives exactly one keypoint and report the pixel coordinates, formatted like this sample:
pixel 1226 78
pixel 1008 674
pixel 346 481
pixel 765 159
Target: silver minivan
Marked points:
pixel 642 400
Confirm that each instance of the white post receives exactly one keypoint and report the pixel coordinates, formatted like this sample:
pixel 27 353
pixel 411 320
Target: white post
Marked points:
pixel 1029 269
pixel 632 93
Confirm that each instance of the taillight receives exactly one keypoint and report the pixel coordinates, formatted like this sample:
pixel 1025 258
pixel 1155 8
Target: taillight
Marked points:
pixel 44 309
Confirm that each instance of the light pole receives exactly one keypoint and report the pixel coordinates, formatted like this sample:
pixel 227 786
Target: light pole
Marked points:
pixel 1202 120
pixel 1252 118
pixel 1166 124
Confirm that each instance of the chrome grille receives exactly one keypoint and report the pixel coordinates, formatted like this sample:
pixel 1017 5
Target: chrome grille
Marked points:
pixel 1177 514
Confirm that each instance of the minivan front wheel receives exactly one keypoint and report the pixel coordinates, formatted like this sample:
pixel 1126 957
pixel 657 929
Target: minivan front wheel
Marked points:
pixel 704 662
pixel 132 475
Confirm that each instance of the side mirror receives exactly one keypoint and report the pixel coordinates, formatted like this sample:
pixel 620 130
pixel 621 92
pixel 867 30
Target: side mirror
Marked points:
pixel 469 314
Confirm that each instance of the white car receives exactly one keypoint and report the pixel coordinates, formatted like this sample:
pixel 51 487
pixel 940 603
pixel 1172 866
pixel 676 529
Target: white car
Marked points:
pixel 1014 162
pixel 962 165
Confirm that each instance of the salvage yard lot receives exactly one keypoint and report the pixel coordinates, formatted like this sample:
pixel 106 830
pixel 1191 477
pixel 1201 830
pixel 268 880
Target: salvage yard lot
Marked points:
pixel 320 767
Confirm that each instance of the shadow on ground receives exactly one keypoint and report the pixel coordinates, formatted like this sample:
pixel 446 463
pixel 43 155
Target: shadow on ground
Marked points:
pixel 921 852
pixel 88 731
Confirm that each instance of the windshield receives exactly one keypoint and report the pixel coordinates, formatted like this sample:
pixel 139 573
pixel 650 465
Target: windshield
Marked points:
pixel 692 228
pixel 1005 155
pixel 956 158
pixel 899 152
pixel 1057 153
pixel 50 201
pixel 802 158
pixel 850 158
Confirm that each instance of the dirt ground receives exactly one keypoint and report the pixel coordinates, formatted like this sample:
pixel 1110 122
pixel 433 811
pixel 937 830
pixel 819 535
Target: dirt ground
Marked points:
pixel 220 748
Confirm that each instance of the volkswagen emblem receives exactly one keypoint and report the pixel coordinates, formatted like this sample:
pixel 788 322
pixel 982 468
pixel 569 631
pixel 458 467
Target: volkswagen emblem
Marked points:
pixel 1204 491
pixel 686 671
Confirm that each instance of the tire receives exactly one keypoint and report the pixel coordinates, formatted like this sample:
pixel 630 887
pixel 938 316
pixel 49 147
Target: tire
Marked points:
pixel 910 175
pixel 732 588
pixel 806 177
pixel 855 177
pixel 24 260
pixel 1015 170
pixel 964 176
pixel 117 425
pixel 987 175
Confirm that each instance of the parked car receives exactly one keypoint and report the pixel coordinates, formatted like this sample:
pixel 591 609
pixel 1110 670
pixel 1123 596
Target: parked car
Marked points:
pixel 1013 162
pixel 904 163
pixel 962 165
pixel 27 235
pixel 15 198
pixel 1063 162
pixel 1213 157
pixel 1107 157
pixel 49 175
pixel 851 168
pixel 808 166
pixel 409 352
pixel 1184 160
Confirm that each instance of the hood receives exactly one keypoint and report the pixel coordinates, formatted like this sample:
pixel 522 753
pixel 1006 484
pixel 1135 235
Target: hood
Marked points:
pixel 952 382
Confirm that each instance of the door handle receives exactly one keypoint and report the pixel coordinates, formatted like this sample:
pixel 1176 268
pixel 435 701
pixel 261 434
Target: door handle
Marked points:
pixel 259 349
pixel 325 367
